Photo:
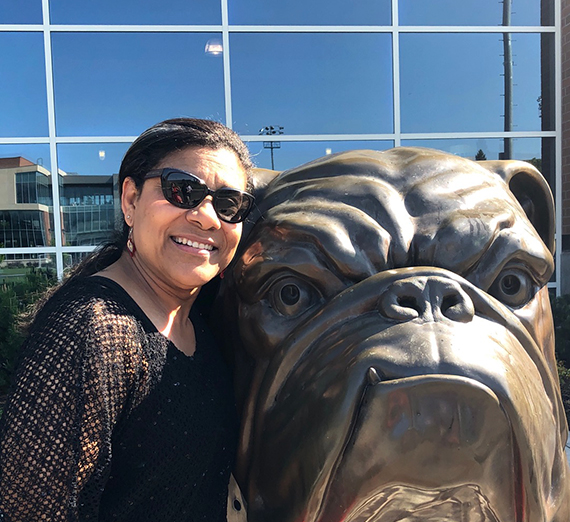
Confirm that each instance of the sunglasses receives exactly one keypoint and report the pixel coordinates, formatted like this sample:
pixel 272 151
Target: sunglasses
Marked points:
pixel 184 190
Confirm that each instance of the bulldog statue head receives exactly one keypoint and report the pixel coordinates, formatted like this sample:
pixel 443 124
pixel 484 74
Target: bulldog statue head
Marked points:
pixel 394 343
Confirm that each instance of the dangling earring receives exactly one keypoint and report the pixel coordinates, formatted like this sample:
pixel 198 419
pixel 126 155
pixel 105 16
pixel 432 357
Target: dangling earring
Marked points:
pixel 131 243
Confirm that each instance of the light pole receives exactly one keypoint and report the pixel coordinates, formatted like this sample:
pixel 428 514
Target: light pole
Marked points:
pixel 271 130
pixel 508 68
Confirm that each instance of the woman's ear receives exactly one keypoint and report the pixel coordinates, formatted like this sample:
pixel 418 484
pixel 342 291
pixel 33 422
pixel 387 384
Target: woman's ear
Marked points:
pixel 129 197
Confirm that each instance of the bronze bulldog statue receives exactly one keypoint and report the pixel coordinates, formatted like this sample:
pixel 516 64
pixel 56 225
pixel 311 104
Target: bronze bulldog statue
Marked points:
pixel 396 358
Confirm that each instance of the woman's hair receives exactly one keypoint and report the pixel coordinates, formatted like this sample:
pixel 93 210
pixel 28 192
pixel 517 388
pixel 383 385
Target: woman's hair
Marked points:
pixel 145 153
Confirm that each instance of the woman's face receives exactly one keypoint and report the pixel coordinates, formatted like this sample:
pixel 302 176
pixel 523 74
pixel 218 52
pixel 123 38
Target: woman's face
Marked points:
pixel 183 249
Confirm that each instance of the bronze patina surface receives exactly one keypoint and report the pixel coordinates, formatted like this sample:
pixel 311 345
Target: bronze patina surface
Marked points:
pixel 397 355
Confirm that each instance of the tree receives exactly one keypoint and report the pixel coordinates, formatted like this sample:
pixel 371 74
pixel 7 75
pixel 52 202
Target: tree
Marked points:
pixel 480 156
pixel 535 162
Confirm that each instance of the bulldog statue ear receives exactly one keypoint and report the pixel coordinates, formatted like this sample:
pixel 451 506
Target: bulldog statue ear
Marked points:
pixel 532 192
pixel 260 179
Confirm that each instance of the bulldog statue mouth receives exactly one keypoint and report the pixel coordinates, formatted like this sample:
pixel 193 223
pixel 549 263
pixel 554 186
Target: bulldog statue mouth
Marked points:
pixel 395 360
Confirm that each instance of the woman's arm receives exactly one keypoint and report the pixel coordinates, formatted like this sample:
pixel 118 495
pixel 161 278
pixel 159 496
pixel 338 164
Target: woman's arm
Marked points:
pixel 55 438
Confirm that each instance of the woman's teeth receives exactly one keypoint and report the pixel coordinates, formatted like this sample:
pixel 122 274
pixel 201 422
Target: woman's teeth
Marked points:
pixel 195 244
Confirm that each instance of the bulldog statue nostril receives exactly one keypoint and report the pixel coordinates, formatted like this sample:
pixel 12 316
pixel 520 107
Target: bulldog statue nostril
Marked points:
pixel 428 299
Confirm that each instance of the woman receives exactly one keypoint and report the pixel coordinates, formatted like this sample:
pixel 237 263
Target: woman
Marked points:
pixel 122 407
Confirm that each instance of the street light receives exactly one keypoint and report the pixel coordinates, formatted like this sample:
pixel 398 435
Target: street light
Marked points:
pixel 271 130
pixel 214 47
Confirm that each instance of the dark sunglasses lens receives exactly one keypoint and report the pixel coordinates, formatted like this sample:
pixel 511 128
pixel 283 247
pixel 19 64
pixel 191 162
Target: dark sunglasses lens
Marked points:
pixel 183 190
pixel 232 205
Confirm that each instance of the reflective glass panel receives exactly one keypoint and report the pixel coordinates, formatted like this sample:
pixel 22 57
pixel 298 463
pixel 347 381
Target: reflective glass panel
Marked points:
pixel 316 12
pixel 89 193
pixel 471 12
pixel 23 105
pixel 17 269
pixel 71 259
pixel 26 213
pixel 538 151
pixel 485 148
pixel 34 153
pixel 290 154
pixel 21 12
pixel 312 83
pixel 121 84
pixel 91 158
pixel 456 82
pixel 133 12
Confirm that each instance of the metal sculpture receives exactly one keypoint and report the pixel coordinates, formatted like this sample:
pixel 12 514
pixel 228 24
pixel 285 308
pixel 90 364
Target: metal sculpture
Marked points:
pixel 397 349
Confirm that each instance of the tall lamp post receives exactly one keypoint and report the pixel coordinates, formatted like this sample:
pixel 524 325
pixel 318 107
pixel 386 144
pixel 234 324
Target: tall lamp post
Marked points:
pixel 271 130
pixel 508 68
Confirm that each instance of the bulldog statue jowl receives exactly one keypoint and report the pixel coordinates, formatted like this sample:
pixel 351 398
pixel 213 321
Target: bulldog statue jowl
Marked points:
pixel 395 356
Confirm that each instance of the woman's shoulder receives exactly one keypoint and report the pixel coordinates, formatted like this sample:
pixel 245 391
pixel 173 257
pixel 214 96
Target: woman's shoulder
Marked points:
pixel 89 324
pixel 96 287
pixel 93 300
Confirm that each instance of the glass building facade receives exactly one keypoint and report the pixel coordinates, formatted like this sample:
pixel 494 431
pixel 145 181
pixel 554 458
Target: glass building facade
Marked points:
pixel 297 80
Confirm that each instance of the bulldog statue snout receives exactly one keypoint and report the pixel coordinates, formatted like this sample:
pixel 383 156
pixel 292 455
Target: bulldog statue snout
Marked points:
pixel 395 357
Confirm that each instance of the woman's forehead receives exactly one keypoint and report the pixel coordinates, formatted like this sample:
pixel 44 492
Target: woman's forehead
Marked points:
pixel 217 167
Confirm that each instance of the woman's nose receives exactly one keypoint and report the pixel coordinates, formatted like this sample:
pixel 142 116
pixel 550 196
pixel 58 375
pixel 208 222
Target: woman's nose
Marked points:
pixel 205 215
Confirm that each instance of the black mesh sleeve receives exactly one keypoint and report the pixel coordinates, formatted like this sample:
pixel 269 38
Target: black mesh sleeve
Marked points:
pixel 73 381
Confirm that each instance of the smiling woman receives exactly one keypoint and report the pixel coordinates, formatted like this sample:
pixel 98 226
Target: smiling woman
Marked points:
pixel 182 243
pixel 122 407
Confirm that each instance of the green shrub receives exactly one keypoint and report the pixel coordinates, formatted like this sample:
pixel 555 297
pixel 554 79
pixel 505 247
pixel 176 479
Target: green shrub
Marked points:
pixel 564 375
pixel 16 298
pixel 561 314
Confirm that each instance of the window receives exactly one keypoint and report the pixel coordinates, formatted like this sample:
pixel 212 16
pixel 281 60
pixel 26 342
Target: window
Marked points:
pixel 83 79
pixel 121 83
pixel 316 12
pixel 312 83
pixel 135 12
pixel 22 85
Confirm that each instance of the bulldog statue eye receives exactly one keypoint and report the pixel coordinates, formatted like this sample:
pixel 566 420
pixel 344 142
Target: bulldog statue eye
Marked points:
pixel 513 287
pixel 291 296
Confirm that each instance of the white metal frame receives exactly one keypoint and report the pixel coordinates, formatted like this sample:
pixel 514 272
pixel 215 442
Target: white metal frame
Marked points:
pixel 226 29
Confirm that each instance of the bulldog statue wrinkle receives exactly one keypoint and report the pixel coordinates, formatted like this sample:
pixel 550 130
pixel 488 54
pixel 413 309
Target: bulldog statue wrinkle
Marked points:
pixel 397 356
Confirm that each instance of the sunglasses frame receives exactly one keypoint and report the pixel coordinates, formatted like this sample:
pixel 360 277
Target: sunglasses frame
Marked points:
pixel 164 174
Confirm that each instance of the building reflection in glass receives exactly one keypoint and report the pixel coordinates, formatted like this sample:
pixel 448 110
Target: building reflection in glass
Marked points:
pixel 25 204
pixel 26 209
pixel 87 208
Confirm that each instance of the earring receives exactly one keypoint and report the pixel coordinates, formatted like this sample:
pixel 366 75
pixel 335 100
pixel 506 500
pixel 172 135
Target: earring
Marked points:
pixel 131 243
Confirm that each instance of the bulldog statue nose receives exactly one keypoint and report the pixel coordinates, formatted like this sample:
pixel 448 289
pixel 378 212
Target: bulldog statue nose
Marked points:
pixel 431 299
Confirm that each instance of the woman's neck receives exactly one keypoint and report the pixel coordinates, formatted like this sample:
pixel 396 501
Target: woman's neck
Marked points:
pixel 168 311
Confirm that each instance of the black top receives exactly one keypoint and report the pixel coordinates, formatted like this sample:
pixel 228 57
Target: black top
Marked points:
pixel 108 420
